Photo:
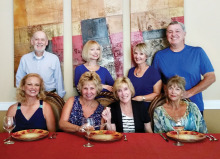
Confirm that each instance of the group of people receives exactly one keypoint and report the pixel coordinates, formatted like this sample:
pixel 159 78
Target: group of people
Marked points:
pixel 176 71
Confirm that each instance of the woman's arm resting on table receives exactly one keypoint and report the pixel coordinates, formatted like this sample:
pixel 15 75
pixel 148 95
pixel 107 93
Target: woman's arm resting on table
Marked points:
pixel 64 124
pixel 49 116
pixel 147 127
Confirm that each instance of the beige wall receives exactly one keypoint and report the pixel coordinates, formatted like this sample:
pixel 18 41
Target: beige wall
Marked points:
pixel 202 24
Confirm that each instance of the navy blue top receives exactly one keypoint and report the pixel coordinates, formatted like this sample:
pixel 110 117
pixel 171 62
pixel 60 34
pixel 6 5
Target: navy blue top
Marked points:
pixel 144 85
pixel 37 121
pixel 103 73
pixel 76 114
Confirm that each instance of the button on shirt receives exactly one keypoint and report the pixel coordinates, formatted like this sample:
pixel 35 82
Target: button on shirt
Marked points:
pixel 48 67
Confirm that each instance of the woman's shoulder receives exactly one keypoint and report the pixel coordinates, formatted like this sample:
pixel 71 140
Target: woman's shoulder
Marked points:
pixel 12 109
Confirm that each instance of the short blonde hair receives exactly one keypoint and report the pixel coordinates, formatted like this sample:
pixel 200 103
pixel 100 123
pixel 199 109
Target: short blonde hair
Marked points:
pixel 86 48
pixel 117 85
pixel 177 80
pixel 20 93
pixel 90 76
pixel 142 47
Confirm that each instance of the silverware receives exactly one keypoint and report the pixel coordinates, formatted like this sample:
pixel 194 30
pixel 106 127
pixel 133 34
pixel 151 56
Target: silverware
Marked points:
pixel 125 138
pixel 213 138
pixel 210 139
pixel 164 138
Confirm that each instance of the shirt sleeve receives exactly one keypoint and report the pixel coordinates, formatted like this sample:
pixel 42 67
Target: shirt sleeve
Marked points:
pixel 77 75
pixel 20 72
pixel 157 123
pixel 109 79
pixel 205 65
pixel 59 79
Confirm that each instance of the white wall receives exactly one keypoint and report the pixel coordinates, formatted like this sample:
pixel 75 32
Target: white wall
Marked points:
pixel 202 19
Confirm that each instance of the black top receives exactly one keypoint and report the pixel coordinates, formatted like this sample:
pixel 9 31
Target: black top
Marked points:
pixel 140 114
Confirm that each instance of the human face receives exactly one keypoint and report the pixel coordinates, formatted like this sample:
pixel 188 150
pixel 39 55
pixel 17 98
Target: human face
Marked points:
pixel 175 93
pixel 32 86
pixel 39 42
pixel 94 52
pixel 89 91
pixel 139 57
pixel 124 93
pixel 175 35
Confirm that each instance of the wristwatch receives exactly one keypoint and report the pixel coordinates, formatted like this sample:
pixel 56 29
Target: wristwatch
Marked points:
pixel 143 98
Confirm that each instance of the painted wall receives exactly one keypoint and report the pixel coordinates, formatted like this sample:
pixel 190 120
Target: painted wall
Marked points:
pixel 202 25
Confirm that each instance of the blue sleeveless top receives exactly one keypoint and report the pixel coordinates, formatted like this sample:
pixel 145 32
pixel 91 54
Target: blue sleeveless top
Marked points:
pixel 76 114
pixel 37 121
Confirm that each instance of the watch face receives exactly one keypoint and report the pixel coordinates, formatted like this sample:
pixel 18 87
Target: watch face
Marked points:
pixel 143 98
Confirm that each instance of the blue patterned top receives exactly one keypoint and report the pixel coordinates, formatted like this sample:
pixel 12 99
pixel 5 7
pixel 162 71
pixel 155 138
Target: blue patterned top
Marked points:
pixel 193 120
pixel 76 114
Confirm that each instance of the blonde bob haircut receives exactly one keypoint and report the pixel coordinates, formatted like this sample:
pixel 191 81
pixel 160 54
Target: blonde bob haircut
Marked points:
pixel 117 85
pixel 89 44
pixel 143 48
pixel 20 93
pixel 178 81
pixel 90 76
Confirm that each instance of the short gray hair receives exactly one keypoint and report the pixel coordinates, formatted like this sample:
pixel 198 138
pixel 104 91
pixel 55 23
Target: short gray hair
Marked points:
pixel 181 24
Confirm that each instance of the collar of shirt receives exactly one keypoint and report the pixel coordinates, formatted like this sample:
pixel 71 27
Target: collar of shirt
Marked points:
pixel 38 58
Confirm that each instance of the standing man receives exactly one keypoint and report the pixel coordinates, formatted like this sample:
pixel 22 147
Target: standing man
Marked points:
pixel 186 61
pixel 46 64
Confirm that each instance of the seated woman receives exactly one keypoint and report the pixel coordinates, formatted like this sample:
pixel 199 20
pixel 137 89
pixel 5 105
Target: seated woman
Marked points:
pixel 145 79
pixel 84 106
pixel 126 115
pixel 31 112
pixel 92 54
pixel 164 115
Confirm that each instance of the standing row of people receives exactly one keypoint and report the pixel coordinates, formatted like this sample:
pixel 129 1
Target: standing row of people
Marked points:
pixel 135 92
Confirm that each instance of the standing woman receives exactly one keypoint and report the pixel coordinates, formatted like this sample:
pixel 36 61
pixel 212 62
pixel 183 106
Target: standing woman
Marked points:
pixel 145 79
pixel 92 54
pixel 126 115
pixel 31 112
pixel 83 106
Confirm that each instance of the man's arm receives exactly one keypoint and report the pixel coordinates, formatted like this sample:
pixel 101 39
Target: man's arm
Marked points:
pixel 208 79
pixel 20 72
pixel 59 80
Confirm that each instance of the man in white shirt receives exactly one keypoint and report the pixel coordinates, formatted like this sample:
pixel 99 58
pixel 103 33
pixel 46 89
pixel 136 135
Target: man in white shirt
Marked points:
pixel 46 64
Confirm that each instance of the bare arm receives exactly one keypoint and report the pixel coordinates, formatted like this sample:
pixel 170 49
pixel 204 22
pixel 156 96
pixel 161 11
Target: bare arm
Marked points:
pixel 12 110
pixel 64 124
pixel 208 79
pixel 49 116
pixel 147 127
pixel 108 87
pixel 156 91
pixel 106 114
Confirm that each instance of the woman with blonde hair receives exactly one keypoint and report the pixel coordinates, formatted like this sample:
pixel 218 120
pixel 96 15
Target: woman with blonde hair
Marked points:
pixel 145 79
pixel 92 54
pixel 83 106
pixel 31 112
pixel 126 115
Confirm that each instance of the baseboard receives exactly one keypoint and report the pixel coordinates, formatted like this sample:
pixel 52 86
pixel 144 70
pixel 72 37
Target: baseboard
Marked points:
pixel 209 104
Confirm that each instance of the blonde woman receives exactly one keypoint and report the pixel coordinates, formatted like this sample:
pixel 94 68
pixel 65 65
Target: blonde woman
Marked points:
pixel 92 54
pixel 31 112
pixel 126 115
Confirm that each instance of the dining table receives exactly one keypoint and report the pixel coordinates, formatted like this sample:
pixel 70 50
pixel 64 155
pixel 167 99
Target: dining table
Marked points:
pixel 138 146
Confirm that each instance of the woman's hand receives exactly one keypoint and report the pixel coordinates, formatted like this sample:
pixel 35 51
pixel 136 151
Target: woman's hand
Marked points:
pixel 106 114
pixel 108 87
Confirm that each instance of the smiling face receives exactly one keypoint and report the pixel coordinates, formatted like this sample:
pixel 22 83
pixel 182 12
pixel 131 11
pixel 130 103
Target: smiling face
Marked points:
pixel 89 90
pixel 32 86
pixel 94 52
pixel 124 93
pixel 139 57
pixel 175 35
pixel 39 42
pixel 174 92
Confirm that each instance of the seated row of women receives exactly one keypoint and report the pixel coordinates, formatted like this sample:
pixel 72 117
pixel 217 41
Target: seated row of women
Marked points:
pixel 125 115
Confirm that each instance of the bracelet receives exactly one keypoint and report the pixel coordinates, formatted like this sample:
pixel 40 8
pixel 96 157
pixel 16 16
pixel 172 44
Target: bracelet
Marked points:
pixel 143 98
